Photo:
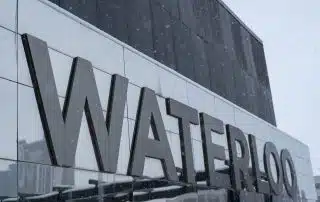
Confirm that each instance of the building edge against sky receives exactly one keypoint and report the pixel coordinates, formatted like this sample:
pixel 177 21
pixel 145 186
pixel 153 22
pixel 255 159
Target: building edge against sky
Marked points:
pixel 67 36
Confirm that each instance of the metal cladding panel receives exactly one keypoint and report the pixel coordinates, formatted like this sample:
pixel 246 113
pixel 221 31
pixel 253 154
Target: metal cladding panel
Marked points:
pixel 183 47
pixel 260 61
pixel 187 14
pixel 215 21
pixel 201 68
pixel 171 6
pixel 214 67
pixel 85 9
pixel 238 45
pixel 248 54
pixel 140 26
pixel 202 15
pixel 174 33
pixel 251 86
pixel 163 36
pixel 112 18
pixel 240 88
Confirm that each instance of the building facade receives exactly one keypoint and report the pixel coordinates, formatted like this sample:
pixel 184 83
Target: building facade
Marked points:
pixel 141 100
pixel 317 185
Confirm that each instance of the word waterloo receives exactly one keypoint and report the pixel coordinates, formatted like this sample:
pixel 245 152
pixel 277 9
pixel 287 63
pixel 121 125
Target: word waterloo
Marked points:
pixel 62 130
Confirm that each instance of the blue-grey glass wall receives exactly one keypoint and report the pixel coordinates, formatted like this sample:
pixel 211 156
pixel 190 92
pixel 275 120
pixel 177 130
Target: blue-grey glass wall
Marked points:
pixel 200 39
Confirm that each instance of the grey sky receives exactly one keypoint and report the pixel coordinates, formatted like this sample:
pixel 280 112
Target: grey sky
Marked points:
pixel 290 32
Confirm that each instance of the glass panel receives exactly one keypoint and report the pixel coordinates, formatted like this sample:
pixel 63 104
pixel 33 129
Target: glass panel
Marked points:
pixel 154 189
pixel 8 180
pixel 8 54
pixel 8 119
pixel 31 141
pixel 8 14
pixel 198 156
pixel 174 141
pixel 48 183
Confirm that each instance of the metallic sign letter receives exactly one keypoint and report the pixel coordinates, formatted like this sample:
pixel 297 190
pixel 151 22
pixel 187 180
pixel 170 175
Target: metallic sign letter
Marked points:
pixel 261 186
pixel 142 146
pixel 270 149
pixel 185 115
pixel 62 129
pixel 291 189
pixel 238 165
pixel 213 151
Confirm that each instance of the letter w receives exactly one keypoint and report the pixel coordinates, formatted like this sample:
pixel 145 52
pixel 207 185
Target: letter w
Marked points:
pixel 62 128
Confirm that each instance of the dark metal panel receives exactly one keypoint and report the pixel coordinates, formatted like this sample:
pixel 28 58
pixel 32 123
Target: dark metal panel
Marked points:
pixel 213 55
pixel 251 89
pixel 260 62
pixel 247 51
pixel 140 26
pixel 225 23
pixel 183 47
pixel 240 88
pixel 202 19
pixel 112 18
pixel 266 110
pixel 149 116
pixel 84 9
pixel 171 6
pixel 221 72
pixel 187 15
pixel 267 106
pixel 162 30
pixel 163 36
pixel 215 21
pixel 185 115
pixel 261 103
pixel 229 80
pixel 238 44
pixel 272 118
pixel 229 61
pixel 201 69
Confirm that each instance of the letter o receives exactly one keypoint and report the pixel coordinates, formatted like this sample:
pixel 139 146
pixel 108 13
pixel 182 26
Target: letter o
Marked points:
pixel 286 157
pixel 270 149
